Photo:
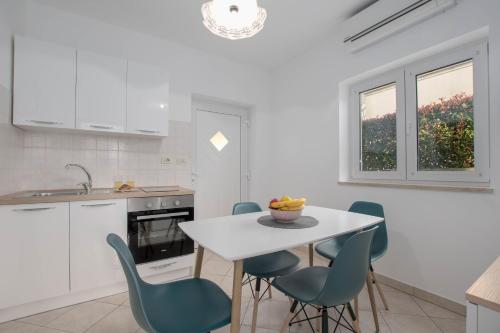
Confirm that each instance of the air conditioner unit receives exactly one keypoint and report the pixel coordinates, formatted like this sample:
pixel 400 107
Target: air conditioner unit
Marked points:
pixel 387 17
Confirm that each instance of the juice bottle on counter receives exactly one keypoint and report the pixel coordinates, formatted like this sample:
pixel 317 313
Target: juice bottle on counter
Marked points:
pixel 131 182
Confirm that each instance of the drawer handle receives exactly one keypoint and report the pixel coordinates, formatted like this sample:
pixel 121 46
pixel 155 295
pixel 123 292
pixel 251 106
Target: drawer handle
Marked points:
pixel 147 131
pixel 100 205
pixel 32 209
pixel 163 266
pixel 44 122
pixel 105 127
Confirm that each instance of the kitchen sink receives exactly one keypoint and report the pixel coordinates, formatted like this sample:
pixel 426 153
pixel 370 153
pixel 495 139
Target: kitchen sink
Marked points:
pixel 39 194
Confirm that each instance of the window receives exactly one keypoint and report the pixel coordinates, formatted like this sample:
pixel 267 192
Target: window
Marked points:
pixel 379 127
pixel 445 118
pixel 426 121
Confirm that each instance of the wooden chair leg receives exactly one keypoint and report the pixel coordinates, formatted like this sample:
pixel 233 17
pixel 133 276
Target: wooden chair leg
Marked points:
pixel 311 255
pixel 356 306
pixel 199 261
pixel 255 305
pixel 355 319
pixel 284 327
pixel 270 288
pixel 372 302
pixel 379 289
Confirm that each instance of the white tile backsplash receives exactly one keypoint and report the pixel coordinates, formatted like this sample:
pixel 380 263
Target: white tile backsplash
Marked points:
pixel 36 160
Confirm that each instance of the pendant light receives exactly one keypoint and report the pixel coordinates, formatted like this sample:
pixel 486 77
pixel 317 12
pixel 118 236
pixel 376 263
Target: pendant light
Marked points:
pixel 233 19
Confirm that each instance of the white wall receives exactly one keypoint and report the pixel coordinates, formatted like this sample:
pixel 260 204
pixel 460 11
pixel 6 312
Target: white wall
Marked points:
pixel 191 72
pixel 439 241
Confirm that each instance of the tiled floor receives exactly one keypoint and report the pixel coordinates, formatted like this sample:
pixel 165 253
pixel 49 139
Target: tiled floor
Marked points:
pixel 112 314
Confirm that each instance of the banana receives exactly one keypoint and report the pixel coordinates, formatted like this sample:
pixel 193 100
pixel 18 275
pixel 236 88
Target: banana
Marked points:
pixel 277 204
pixel 295 202
pixel 292 208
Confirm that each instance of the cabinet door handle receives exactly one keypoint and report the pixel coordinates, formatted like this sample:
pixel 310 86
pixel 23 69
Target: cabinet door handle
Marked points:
pixel 45 122
pixel 100 205
pixel 32 209
pixel 147 131
pixel 105 127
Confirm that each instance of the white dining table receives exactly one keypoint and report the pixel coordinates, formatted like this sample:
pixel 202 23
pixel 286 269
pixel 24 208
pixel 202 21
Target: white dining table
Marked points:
pixel 237 237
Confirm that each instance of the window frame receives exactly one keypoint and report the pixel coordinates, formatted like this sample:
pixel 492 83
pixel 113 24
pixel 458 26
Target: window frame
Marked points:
pixel 393 77
pixel 406 120
pixel 479 55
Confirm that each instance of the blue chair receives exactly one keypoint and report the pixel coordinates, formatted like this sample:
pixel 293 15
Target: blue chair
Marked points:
pixel 186 306
pixel 264 267
pixel 330 248
pixel 330 287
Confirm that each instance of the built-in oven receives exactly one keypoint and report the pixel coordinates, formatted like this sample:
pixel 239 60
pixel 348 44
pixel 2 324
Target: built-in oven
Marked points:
pixel 153 227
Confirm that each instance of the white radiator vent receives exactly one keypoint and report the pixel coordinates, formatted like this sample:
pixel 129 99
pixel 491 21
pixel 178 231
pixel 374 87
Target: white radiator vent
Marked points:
pixel 387 17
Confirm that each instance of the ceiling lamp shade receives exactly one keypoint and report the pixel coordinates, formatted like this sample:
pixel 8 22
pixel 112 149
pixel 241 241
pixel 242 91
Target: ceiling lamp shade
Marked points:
pixel 233 19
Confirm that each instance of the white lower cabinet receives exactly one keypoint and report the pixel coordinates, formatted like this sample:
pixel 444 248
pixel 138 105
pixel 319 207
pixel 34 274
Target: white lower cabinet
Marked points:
pixel 94 263
pixel 34 253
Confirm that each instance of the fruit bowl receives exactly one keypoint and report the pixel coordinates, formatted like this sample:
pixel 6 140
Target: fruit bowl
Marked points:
pixel 286 209
pixel 285 215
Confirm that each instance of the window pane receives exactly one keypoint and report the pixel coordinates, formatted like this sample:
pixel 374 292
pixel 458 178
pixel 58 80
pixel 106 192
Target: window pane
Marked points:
pixel 445 118
pixel 378 129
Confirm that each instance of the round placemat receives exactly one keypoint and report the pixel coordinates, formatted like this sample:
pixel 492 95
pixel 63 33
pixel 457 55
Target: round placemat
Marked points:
pixel 300 223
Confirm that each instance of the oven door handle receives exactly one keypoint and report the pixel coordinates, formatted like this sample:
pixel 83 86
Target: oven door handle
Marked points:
pixel 157 216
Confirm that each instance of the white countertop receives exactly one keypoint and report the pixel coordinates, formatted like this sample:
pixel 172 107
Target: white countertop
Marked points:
pixel 241 236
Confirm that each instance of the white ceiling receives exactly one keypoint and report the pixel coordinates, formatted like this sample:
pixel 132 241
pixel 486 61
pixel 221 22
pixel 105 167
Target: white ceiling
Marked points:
pixel 292 26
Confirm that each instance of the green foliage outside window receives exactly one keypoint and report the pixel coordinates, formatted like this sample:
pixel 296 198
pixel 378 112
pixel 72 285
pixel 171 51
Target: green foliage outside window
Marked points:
pixel 445 137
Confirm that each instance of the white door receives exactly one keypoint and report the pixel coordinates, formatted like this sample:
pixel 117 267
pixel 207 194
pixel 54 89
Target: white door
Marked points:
pixel 101 92
pixel 44 84
pixel 220 162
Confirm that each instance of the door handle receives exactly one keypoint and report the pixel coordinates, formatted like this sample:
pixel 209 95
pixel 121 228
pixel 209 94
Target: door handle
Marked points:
pixel 157 216
pixel 45 122
pixel 105 127
pixel 100 205
pixel 147 131
pixel 163 266
pixel 32 209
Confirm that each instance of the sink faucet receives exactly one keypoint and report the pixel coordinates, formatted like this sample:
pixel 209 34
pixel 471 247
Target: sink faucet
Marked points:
pixel 88 185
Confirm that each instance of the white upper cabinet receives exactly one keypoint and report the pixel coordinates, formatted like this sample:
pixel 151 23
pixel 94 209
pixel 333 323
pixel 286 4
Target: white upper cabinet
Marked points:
pixel 147 100
pixel 44 84
pixel 61 87
pixel 101 93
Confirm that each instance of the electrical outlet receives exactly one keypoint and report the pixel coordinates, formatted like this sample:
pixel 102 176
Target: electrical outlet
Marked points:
pixel 165 160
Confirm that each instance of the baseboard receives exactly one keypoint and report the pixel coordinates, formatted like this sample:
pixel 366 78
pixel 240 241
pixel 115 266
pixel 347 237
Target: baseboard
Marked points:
pixel 422 294
pixel 414 291
pixel 33 308
pixel 29 309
